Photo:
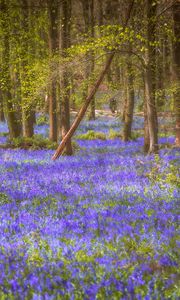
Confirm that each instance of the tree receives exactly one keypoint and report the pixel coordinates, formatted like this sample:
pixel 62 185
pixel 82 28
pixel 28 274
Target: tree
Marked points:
pixel 53 36
pixel 128 116
pixel 65 80
pixel 27 111
pixel 89 98
pixel 176 67
pixel 14 124
pixel 149 75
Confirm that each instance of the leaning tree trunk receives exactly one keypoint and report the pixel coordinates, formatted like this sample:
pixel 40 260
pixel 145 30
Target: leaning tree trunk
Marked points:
pixel 89 98
pixel 176 68
pixel 130 101
pixel 150 76
pixel 83 110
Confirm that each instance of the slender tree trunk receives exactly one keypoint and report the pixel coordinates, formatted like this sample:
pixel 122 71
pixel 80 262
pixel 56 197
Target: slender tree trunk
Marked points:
pixel 2 117
pixel 88 13
pixel 9 108
pixel 150 77
pixel 176 69
pixel 65 78
pixel 53 34
pixel 130 102
pixel 27 112
pixel 146 128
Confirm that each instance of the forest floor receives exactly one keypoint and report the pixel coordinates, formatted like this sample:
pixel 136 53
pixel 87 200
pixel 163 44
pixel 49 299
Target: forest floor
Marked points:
pixel 102 224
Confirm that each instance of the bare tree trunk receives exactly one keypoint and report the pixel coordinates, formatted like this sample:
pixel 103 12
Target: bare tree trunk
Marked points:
pixel 53 12
pixel 130 102
pixel 27 112
pixel 146 128
pixel 65 78
pixel 176 69
pixel 150 77
pixel 14 124
pixel 88 13
pixel 2 117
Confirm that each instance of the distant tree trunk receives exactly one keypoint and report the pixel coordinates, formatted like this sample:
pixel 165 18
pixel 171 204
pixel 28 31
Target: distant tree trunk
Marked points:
pixel 53 34
pixel 130 102
pixel 100 12
pixel 2 117
pixel 146 129
pixel 124 109
pixel 65 78
pixel 176 68
pixel 150 77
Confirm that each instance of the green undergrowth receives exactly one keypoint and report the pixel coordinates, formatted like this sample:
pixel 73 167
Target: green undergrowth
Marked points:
pixel 91 135
pixel 34 143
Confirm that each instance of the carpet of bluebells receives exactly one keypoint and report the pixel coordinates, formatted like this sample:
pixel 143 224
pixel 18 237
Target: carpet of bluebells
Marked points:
pixel 102 224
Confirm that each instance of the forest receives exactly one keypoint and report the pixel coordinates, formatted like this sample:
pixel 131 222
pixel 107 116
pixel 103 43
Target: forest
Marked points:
pixel 89 149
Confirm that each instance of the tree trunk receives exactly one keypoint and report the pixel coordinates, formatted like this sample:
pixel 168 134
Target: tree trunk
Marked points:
pixel 130 102
pixel 146 129
pixel 88 13
pixel 176 69
pixel 65 78
pixel 27 112
pixel 83 110
pixel 149 77
pixel 2 117
pixel 53 35
pixel 14 124
pixel 91 95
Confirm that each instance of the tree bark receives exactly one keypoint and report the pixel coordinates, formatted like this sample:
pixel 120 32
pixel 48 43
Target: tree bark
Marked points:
pixel 149 77
pixel 27 111
pixel 2 117
pixel 53 35
pixel 176 69
pixel 146 129
pixel 88 13
pixel 130 102
pixel 65 78
pixel 14 124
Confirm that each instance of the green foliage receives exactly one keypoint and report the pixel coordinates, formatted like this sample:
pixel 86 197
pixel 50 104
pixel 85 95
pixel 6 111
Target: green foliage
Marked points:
pixel 4 134
pixel 3 198
pixel 91 135
pixel 168 175
pixel 34 143
pixel 42 119
pixel 114 134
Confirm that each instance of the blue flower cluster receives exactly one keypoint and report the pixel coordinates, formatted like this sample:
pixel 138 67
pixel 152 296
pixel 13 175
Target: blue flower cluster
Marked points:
pixel 99 225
